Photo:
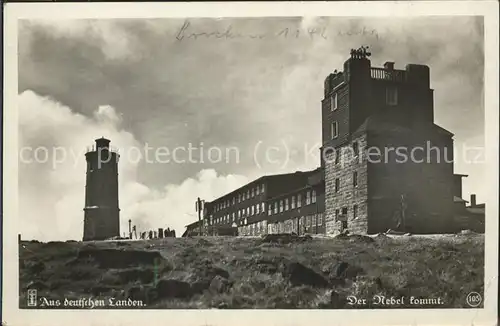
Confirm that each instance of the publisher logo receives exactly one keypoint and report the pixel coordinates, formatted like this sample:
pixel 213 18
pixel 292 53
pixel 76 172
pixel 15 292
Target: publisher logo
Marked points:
pixel 32 298
pixel 474 299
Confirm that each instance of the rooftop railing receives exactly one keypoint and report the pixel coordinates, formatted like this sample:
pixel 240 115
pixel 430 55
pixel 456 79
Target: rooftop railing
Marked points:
pixel 112 149
pixel 390 75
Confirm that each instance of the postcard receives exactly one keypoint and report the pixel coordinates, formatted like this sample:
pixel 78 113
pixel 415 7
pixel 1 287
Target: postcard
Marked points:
pixel 240 163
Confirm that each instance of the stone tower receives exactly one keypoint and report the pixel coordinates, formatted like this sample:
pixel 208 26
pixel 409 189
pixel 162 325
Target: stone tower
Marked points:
pixel 387 164
pixel 101 212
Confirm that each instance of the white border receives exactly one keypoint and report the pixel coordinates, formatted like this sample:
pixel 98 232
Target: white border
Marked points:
pixel 13 316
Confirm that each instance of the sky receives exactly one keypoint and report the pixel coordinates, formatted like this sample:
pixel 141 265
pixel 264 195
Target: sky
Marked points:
pixel 223 109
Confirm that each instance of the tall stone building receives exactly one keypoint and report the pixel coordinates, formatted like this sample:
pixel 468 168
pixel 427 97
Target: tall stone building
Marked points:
pixel 101 212
pixel 386 164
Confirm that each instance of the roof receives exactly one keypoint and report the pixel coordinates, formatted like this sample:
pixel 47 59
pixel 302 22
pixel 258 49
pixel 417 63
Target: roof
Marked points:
pixel 264 177
pixel 291 192
pixel 377 122
pixel 193 224
pixel 476 210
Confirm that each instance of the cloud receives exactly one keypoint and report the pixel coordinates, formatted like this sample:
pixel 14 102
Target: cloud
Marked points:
pixel 170 96
pixel 115 43
pixel 53 142
pixel 267 90
pixel 106 114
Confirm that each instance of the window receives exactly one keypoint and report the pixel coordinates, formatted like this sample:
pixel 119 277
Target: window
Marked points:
pixel 344 211
pixel 251 210
pixel 281 206
pixel 355 178
pixel 234 200
pixel 337 155
pixel 299 201
pixel 239 198
pixel 248 193
pixel 308 197
pixel 337 212
pixel 257 190
pixel 258 209
pixel 269 209
pixel 263 207
pixel 248 211
pixel 355 211
pixel 286 204
pixel 337 185
pixel 334 130
pixel 391 95
pixel 275 207
pixel 333 102
pixel 253 192
pixel 313 198
pixel 355 148
pixel 262 188
pixel 232 219
pixel 320 220
pixel 293 202
pixel 239 213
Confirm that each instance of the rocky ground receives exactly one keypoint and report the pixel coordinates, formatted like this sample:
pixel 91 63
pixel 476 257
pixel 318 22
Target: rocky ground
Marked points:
pixel 272 272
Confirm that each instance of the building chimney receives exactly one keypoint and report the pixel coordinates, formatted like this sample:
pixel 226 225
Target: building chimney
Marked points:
pixel 389 65
pixel 473 200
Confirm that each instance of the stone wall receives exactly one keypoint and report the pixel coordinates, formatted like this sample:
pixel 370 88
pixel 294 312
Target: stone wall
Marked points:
pixel 348 195
pixel 254 229
pixel 312 224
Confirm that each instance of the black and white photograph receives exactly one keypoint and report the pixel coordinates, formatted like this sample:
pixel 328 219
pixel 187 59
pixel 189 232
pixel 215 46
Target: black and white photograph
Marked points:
pixel 319 162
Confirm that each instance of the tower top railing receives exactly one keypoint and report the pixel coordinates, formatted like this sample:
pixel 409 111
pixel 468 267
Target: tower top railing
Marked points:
pixel 94 148
pixel 389 75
